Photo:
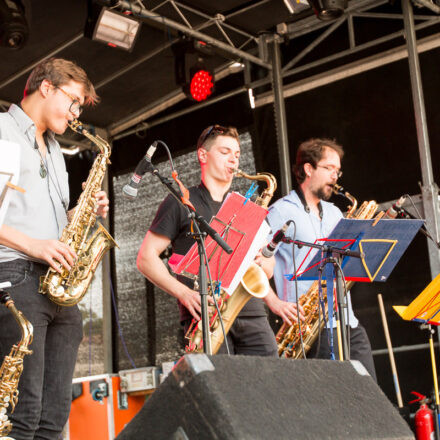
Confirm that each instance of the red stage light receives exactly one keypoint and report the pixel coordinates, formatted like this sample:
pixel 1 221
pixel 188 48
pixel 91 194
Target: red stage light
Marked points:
pixel 201 85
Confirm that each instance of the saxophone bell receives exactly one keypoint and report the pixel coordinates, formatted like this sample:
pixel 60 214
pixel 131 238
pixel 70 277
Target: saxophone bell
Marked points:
pixel 12 366
pixel 88 241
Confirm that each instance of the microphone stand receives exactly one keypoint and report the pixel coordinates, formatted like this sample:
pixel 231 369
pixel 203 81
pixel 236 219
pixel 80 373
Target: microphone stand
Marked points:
pixel 203 229
pixel 334 256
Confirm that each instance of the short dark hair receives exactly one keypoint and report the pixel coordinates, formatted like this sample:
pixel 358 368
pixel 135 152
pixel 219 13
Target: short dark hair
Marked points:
pixel 209 134
pixel 60 72
pixel 311 151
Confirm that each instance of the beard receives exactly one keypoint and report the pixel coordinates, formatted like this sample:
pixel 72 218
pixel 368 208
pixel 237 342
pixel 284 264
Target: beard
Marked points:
pixel 323 194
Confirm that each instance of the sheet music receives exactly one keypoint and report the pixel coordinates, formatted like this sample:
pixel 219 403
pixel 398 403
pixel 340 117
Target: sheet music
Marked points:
pixel 259 241
pixel 9 172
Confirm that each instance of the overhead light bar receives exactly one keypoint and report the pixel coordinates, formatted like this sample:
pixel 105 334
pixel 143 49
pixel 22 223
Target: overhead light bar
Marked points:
pixel 113 28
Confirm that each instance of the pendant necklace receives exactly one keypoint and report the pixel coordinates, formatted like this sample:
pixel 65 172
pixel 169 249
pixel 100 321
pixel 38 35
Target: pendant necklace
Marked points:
pixel 43 168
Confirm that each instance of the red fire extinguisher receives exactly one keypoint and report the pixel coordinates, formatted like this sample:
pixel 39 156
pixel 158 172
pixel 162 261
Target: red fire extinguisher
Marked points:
pixel 424 418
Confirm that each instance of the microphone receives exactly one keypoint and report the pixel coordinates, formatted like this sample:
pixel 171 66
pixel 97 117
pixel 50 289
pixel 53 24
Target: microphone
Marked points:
pixel 395 209
pixel 130 190
pixel 270 249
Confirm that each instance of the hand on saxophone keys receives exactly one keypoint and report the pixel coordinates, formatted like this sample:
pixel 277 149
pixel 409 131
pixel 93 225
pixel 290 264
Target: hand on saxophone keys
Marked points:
pixel 287 311
pixel 58 255
pixel 191 300
pixel 102 202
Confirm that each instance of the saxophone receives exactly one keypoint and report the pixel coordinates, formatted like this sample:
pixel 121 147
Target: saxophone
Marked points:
pixel 288 337
pixel 253 283
pixel 69 287
pixel 12 366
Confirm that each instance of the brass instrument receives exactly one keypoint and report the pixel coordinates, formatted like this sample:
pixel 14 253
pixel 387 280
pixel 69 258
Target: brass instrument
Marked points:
pixel 12 366
pixel 69 287
pixel 253 283
pixel 288 337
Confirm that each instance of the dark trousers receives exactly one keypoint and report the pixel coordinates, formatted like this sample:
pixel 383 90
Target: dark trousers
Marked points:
pixel 45 386
pixel 248 335
pixel 360 348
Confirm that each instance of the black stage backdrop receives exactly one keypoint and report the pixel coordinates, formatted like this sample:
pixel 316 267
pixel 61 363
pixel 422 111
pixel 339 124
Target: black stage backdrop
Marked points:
pixel 371 114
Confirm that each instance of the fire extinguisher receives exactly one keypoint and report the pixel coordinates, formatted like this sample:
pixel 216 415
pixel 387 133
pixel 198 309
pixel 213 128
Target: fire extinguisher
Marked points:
pixel 424 418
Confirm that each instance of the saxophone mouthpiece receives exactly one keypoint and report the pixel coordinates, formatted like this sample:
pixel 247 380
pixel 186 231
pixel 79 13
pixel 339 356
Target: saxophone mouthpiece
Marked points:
pixel 76 125
pixel 338 189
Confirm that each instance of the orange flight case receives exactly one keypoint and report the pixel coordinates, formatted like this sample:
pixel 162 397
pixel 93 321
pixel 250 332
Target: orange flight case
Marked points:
pixel 100 410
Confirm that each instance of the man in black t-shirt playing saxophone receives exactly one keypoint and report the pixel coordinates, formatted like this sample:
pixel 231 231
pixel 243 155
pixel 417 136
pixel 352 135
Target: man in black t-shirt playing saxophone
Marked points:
pixel 218 152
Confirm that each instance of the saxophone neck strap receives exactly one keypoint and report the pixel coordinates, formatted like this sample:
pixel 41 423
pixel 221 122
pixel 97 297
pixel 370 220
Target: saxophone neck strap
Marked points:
pixel 305 205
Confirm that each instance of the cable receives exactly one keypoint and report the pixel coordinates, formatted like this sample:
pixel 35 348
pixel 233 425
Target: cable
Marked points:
pixel 170 159
pixel 296 292
pixel 90 332
pixel 121 336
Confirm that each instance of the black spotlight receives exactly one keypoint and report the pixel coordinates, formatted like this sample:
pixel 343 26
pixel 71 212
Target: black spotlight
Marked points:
pixel 191 68
pixel 327 10
pixel 14 30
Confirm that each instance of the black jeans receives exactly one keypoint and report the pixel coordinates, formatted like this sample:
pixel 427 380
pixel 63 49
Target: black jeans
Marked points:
pixel 45 386
pixel 360 348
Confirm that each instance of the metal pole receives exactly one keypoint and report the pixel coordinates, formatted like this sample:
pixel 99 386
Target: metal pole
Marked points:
pixel 106 286
pixel 429 188
pixel 138 11
pixel 280 118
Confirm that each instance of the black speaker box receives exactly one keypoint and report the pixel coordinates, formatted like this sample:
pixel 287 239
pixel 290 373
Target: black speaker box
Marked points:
pixel 249 397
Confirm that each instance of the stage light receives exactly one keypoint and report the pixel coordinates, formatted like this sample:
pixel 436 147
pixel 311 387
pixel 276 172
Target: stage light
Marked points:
pixel 327 10
pixel 201 83
pixel 197 82
pixel 111 27
pixel 14 30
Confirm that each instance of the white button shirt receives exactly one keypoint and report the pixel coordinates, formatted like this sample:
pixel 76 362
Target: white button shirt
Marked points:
pixel 308 228
pixel 39 212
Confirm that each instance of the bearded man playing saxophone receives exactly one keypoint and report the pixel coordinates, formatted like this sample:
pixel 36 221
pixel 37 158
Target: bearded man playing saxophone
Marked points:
pixel 317 169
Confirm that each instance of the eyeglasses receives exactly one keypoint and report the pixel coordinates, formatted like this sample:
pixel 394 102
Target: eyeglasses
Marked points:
pixel 212 130
pixel 75 106
pixel 331 170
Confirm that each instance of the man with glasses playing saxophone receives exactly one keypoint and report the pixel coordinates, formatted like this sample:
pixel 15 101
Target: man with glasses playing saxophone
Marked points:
pixel 54 95
pixel 317 169
pixel 218 152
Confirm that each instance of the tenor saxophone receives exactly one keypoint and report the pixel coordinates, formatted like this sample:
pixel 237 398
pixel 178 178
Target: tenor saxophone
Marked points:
pixel 90 244
pixel 254 283
pixel 288 337
pixel 12 366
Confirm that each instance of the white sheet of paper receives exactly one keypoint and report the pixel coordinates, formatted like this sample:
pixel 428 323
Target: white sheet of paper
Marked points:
pixel 9 164
pixel 257 244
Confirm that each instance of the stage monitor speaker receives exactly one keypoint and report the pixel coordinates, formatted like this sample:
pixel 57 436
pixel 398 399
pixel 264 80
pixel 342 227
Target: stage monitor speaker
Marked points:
pixel 249 397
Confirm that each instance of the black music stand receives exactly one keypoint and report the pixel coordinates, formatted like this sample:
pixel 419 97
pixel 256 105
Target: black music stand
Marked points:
pixel 380 244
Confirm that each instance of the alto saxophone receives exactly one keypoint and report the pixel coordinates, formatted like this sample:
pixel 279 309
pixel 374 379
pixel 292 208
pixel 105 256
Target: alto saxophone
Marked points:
pixel 68 287
pixel 253 283
pixel 288 337
pixel 12 366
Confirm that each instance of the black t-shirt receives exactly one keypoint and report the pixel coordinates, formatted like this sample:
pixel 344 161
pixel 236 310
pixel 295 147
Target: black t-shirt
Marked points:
pixel 172 221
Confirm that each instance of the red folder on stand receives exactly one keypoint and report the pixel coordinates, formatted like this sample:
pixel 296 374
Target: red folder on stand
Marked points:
pixel 241 223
